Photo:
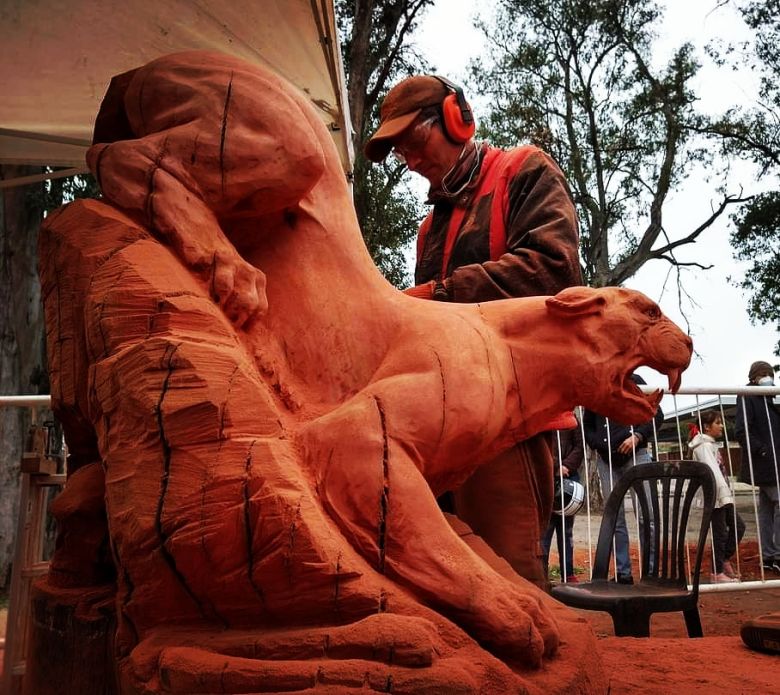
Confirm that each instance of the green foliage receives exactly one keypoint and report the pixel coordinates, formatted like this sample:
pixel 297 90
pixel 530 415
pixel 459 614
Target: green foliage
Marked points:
pixel 756 239
pixel 763 17
pixel 390 216
pixel 378 51
pixel 752 132
pixel 577 77
pixel 56 192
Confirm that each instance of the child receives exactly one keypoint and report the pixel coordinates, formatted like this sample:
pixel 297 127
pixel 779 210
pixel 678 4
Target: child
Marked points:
pixel 725 534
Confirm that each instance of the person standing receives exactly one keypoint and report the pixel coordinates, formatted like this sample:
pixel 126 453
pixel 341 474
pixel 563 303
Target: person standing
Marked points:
pixel 619 447
pixel 727 525
pixel 567 458
pixel 502 225
pixel 758 433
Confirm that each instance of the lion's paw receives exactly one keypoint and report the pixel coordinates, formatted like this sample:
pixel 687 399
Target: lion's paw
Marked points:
pixel 239 287
pixel 517 627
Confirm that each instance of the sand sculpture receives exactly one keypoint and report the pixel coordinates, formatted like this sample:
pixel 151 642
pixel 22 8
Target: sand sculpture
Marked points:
pixel 267 422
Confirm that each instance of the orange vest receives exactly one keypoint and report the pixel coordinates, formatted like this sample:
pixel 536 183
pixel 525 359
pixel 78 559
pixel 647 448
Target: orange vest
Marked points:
pixel 497 169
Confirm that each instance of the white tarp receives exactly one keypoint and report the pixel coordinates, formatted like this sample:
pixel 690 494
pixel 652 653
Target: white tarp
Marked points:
pixel 58 56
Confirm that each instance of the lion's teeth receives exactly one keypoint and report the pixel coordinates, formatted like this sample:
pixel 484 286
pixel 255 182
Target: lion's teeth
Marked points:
pixel 675 378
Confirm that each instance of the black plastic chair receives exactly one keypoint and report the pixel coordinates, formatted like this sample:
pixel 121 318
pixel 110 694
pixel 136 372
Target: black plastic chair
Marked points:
pixel 663 588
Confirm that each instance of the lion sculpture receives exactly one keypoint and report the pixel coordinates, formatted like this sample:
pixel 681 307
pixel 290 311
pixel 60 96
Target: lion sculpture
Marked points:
pixel 269 422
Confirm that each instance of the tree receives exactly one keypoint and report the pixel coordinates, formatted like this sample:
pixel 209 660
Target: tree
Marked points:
pixel 577 77
pixel 375 43
pixel 756 239
pixel 754 133
pixel 21 347
pixel 23 367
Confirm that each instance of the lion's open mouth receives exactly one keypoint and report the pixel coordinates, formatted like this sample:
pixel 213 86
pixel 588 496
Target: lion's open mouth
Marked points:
pixel 654 398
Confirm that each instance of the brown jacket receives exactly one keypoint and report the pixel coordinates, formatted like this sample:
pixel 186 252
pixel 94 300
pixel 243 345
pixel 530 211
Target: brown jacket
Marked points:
pixel 570 453
pixel 520 205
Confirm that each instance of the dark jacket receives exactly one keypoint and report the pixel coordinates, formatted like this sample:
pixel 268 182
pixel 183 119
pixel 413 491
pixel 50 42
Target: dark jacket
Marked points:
pixel 595 426
pixel 571 449
pixel 760 418
pixel 539 253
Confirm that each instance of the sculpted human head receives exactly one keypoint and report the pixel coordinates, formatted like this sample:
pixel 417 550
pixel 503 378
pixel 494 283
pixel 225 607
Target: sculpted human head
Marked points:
pixel 226 130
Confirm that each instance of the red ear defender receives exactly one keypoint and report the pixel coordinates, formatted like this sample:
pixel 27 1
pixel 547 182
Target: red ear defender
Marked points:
pixel 458 119
pixel 457 128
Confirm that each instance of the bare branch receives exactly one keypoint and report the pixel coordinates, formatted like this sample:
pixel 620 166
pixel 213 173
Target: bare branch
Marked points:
pixel 673 261
pixel 690 238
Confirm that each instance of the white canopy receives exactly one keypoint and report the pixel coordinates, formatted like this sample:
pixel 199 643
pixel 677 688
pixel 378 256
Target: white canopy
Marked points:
pixel 57 58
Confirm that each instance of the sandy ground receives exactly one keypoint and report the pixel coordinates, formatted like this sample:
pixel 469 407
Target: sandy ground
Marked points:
pixel 669 662
pixel 659 666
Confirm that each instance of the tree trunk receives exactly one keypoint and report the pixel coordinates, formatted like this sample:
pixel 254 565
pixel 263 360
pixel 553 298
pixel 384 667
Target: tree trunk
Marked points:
pixel 594 484
pixel 22 348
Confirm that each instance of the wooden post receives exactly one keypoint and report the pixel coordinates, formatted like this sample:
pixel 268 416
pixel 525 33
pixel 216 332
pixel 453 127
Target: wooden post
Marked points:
pixel 38 474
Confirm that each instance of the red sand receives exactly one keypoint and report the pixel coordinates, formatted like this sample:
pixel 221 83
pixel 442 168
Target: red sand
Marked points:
pixel 670 662
pixel 712 664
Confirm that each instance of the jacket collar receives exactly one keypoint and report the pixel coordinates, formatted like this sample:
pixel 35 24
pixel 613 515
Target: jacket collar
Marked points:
pixel 460 182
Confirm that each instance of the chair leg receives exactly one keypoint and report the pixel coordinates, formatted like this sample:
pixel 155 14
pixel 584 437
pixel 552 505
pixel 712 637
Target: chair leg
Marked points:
pixel 693 622
pixel 635 624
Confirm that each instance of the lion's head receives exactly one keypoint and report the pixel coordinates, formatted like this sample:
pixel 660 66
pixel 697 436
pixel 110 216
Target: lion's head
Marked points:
pixel 616 330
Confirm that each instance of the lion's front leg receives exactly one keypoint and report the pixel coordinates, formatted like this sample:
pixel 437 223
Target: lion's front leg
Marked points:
pixel 370 485
pixel 378 649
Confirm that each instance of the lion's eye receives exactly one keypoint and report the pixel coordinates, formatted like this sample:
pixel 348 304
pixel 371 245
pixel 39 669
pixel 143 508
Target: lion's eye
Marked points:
pixel 654 313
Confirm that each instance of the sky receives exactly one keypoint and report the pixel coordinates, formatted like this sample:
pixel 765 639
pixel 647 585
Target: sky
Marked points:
pixel 724 339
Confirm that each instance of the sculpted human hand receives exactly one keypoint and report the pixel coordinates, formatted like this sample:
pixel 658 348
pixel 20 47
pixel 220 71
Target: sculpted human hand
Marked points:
pixel 238 286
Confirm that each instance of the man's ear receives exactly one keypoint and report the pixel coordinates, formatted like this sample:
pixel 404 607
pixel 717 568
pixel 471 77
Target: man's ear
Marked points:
pixel 576 301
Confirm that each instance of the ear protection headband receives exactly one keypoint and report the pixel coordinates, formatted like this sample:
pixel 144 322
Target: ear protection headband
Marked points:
pixel 458 118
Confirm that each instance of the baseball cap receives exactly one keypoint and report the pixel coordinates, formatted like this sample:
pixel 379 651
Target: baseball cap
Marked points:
pixel 400 107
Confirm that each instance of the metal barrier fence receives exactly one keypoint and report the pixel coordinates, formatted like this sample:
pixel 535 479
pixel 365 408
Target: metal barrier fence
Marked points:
pixel 724 399
pixel 670 442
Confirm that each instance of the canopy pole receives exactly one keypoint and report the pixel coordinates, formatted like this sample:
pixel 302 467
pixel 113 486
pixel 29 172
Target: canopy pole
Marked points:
pixel 35 178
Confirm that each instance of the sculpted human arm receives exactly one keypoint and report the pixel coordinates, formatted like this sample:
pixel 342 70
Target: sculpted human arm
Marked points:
pixel 236 285
pixel 156 198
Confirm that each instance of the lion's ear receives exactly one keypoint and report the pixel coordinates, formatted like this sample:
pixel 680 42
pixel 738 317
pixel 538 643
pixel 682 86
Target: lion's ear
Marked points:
pixel 575 301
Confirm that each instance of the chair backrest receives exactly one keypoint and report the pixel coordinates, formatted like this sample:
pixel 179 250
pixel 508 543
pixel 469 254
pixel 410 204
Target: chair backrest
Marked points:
pixel 665 492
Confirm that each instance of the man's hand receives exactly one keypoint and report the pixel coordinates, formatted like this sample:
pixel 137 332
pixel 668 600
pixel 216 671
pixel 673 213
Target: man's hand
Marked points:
pixel 238 286
pixel 564 472
pixel 629 444
pixel 424 291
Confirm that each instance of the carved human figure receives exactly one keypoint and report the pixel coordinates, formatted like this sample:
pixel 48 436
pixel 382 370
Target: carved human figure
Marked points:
pixel 273 420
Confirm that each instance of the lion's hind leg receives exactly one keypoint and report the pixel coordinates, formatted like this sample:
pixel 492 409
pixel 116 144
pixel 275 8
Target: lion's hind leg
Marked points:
pixel 374 491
